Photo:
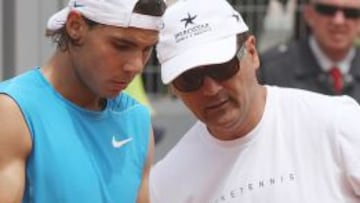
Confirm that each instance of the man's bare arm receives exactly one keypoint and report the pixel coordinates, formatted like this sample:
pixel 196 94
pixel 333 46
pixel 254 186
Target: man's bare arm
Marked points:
pixel 15 145
pixel 144 188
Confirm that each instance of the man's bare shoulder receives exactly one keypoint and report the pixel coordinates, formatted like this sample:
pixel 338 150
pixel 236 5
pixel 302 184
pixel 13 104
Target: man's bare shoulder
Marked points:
pixel 14 133
pixel 15 146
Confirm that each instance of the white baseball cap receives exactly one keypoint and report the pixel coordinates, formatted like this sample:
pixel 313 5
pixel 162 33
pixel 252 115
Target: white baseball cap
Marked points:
pixel 109 12
pixel 196 33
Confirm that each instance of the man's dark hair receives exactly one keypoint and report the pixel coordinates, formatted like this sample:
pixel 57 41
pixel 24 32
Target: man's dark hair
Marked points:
pixel 146 7
pixel 241 38
pixel 150 7
pixel 62 39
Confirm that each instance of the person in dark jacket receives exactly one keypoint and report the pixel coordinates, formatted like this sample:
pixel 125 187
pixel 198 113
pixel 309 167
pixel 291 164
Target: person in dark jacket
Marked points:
pixel 327 61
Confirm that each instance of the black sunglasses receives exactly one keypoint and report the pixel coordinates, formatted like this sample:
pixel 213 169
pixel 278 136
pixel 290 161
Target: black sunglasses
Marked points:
pixel 193 79
pixel 330 10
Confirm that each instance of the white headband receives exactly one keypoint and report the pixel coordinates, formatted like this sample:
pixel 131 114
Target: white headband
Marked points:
pixel 110 12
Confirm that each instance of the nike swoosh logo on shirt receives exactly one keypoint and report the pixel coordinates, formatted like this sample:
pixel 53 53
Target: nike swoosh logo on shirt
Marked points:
pixel 118 144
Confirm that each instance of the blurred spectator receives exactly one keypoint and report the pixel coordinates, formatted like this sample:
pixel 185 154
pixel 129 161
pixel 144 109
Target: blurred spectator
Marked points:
pixel 278 24
pixel 326 61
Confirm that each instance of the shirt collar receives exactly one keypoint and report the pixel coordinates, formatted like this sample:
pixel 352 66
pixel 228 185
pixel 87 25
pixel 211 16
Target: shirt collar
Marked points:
pixel 326 63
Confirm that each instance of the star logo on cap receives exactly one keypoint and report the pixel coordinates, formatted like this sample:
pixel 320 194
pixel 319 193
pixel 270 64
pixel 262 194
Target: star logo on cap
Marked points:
pixel 188 20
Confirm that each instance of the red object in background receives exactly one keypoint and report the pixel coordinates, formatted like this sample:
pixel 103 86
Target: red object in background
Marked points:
pixel 338 81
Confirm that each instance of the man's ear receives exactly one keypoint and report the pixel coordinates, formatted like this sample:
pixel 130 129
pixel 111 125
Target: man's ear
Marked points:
pixel 252 50
pixel 75 27
pixel 308 13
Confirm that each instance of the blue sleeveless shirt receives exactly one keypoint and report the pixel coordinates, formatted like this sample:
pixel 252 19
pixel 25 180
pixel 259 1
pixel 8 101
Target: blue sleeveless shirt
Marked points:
pixel 78 155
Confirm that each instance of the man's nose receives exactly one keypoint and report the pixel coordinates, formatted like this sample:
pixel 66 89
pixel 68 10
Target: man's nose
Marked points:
pixel 135 63
pixel 210 86
pixel 339 17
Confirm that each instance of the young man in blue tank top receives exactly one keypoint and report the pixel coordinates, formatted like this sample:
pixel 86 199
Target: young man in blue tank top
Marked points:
pixel 68 134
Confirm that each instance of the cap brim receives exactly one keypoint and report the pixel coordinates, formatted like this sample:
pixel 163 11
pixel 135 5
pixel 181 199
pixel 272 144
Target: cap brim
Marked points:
pixel 211 53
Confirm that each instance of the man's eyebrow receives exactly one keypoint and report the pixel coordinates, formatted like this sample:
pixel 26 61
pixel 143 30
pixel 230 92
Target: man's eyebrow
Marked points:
pixel 131 43
pixel 125 41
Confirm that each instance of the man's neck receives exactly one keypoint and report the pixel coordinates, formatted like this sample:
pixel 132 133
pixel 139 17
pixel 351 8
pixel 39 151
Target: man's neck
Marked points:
pixel 343 60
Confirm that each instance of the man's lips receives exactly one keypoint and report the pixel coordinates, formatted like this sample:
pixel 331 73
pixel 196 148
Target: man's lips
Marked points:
pixel 216 105
pixel 119 85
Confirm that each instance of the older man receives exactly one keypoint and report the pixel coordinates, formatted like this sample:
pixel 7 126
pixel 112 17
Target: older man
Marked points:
pixel 252 143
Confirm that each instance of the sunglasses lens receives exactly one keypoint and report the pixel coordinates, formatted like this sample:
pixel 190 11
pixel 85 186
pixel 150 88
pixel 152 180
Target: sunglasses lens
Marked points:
pixel 325 9
pixel 352 13
pixel 224 71
pixel 330 10
pixel 189 81
pixel 193 79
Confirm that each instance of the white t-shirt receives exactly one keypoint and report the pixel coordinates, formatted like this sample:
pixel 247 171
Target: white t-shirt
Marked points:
pixel 306 149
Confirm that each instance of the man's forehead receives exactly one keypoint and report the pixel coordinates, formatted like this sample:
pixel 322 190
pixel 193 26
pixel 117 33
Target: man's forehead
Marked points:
pixel 135 36
pixel 347 3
